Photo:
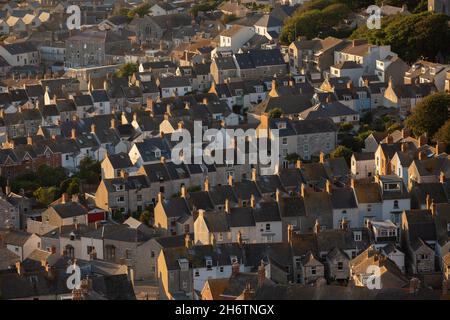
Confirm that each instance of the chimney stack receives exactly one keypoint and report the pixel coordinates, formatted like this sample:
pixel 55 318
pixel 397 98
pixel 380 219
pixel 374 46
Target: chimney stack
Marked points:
pixel 428 201
pixel 317 227
pixel 278 195
pixel 187 241
pixel 403 147
pixel 422 140
pixel 73 134
pixel 227 206
pixel 322 157
pixel 303 190
pixel 328 186
pixel 183 191
pixel 261 274
pixel 352 183
pixel 442 177
pixel 290 233
pixel 440 147
pixel 422 155
pixel 29 140
pixel 433 208
pixel 93 128
pixel 390 139
pixel 405 133
pixel 206 184
pixel 252 201
pixel 123 173
pixel 298 164
pixel 254 175
pixel 160 197
pixel 113 123
pixel 230 180
pixel 64 197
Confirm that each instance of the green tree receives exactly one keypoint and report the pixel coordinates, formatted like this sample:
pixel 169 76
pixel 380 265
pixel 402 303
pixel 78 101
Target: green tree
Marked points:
pixel 429 114
pixel 141 10
pixel 342 152
pixel 412 36
pixel 227 18
pixel 127 70
pixel 145 217
pixel 275 113
pixel 73 187
pixel 443 134
pixel 89 171
pixel 45 196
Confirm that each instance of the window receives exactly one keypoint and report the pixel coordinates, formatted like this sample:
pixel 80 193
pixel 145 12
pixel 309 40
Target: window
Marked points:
pixel 267 226
pixel 139 197
pixel 221 269
pixel 197 273
pixel 110 252
pixel 313 270
pixel 152 254
pixel 220 237
pixel 285 141
pixel 90 249
pixel 120 199
pixel 395 204
pixel 70 251
pixel 208 263
pixel 340 266
pixel 357 236
pixel 186 228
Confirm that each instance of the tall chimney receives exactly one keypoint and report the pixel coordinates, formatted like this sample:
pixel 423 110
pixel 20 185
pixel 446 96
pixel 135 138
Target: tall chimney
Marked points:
pixel 113 123
pixel 298 164
pixel 227 206
pixel 206 184
pixel 317 227
pixel 230 180
pixel 93 128
pixel 29 140
pixel 442 177
pixel 290 233
pixel 261 274
pixel 303 190
pixel 252 201
pixel 322 157
pixel 277 195
pixel 328 186
pixel 254 175
pixel 183 191
pixel 160 197
pixel 73 134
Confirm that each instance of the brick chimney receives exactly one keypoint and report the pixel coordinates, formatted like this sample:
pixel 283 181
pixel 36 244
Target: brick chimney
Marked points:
pixel 277 195
pixel 405 133
pixel 93 127
pixel 227 206
pixel 73 133
pixel 352 183
pixel 442 177
pixel 422 140
pixel 440 147
pixel 183 191
pixel 19 268
pixel 317 227
pixel 29 140
pixel 64 197
pixel 187 241
pixel 328 186
pixel 404 147
pixel 252 201
pixel 322 157
pixel 303 190
pixel 206 184
pixel 290 233
pixel 390 139
pixel 298 164
pixel 433 208
pixel 428 201
pixel 261 274
pixel 113 123
pixel 162 160
pixel 230 180
pixel 254 174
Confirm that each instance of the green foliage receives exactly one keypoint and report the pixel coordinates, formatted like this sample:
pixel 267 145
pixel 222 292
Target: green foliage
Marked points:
pixel 346 127
pixel 318 18
pixel 341 152
pixel 429 114
pixel 145 217
pixel 411 36
pixel 45 196
pixel 127 70
pixel 414 6
pixel 73 187
pixel 443 134
pixel 48 176
pixel 275 113
pixel 204 6
pixel 89 171
pixel 141 10
pixel 117 216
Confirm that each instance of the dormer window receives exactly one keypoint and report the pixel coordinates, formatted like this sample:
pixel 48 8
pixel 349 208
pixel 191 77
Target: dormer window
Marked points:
pixel 357 236
pixel 157 153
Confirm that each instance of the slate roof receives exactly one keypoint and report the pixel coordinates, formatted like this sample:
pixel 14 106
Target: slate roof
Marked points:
pixel 259 58
pixel 69 209
pixel 19 47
